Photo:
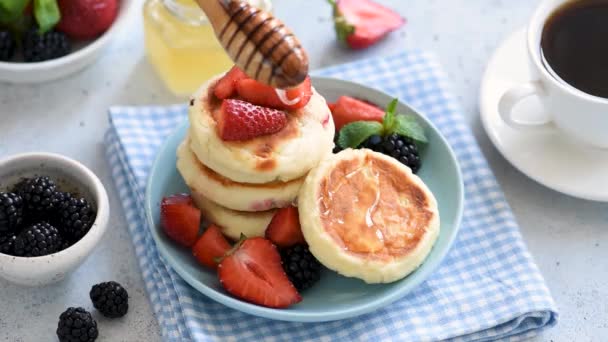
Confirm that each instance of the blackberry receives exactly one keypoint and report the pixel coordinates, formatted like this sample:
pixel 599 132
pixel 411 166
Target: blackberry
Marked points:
pixel 337 148
pixel 397 146
pixel 37 240
pixel 41 47
pixel 11 211
pixel 37 194
pixel 77 325
pixel 6 243
pixel 7 46
pixel 110 298
pixel 75 216
pixel 301 266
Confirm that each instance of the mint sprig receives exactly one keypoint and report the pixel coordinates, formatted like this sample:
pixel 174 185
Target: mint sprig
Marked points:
pixel 11 10
pixel 12 14
pixel 47 14
pixel 355 133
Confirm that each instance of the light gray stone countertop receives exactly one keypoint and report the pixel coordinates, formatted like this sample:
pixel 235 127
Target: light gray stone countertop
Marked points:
pixel 568 237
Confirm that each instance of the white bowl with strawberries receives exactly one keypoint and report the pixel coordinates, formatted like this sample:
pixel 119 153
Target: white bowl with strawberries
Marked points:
pixel 362 228
pixel 45 40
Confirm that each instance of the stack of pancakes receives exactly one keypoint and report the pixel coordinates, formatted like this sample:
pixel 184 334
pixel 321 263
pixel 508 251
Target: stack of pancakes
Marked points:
pixel 238 185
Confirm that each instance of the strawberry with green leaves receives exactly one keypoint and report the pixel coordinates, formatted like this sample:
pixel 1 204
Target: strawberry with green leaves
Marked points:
pixel 362 23
pixel 398 136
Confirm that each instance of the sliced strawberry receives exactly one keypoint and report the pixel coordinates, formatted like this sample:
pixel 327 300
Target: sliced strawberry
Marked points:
pixel 240 120
pixel 180 219
pixel 263 95
pixel 253 272
pixel 210 246
pixel 86 19
pixel 331 106
pixel 348 109
pixel 361 23
pixel 226 86
pixel 284 228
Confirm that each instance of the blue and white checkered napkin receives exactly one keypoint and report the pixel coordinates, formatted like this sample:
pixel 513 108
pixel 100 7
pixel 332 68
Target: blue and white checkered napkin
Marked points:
pixel 488 288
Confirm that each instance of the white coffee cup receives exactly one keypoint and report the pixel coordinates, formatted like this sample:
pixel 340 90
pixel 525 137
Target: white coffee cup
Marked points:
pixel 581 116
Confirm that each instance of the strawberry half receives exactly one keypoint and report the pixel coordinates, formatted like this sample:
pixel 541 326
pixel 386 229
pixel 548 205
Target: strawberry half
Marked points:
pixel 284 228
pixel 180 219
pixel 240 120
pixel 226 86
pixel 253 272
pixel 86 19
pixel 210 246
pixel 263 95
pixel 362 23
pixel 348 109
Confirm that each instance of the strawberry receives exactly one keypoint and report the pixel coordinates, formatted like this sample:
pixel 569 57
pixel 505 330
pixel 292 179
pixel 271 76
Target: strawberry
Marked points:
pixel 263 95
pixel 284 228
pixel 240 120
pixel 226 86
pixel 210 246
pixel 362 23
pixel 86 19
pixel 348 109
pixel 253 272
pixel 180 219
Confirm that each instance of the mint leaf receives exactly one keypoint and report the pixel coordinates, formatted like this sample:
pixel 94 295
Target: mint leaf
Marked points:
pixel 11 10
pixel 47 14
pixel 355 133
pixel 408 126
pixel 388 122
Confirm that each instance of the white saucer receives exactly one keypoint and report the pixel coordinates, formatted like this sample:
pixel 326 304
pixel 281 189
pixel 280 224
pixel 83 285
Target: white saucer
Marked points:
pixel 547 157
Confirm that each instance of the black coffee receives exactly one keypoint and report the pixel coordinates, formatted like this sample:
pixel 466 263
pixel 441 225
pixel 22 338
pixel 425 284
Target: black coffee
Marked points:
pixel 575 44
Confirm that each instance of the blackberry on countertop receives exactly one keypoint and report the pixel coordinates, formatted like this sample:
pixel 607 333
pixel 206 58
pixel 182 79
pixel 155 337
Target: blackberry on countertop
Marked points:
pixel 301 267
pixel 37 240
pixel 11 211
pixel 397 146
pixel 6 243
pixel 77 325
pixel 41 47
pixel 7 45
pixel 37 194
pixel 75 216
pixel 110 298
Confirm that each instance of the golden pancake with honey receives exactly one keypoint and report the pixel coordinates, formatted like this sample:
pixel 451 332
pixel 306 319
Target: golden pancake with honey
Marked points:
pixel 366 215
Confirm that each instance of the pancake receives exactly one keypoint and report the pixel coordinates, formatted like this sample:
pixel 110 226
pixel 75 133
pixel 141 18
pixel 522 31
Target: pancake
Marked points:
pixel 283 156
pixel 233 223
pixel 230 194
pixel 366 215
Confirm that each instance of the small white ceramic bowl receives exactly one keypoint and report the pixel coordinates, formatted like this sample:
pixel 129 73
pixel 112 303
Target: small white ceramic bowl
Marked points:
pixel 82 56
pixel 71 176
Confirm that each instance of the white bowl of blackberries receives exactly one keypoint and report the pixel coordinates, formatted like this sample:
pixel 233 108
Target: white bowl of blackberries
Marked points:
pixel 45 40
pixel 53 213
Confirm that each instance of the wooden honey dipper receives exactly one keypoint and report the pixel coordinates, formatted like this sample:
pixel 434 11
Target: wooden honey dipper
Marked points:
pixel 258 43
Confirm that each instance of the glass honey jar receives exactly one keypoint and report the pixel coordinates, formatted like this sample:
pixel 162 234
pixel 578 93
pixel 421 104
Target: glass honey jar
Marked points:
pixel 181 45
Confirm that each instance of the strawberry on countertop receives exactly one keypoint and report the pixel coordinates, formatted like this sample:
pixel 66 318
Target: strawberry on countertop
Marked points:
pixel 210 246
pixel 284 228
pixel 252 271
pixel 362 23
pixel 240 120
pixel 180 219
pixel 86 19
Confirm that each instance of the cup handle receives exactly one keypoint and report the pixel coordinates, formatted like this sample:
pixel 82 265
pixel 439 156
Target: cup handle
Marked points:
pixel 516 94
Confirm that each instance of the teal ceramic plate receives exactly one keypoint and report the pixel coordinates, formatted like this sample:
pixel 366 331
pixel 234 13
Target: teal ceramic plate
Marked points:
pixel 334 297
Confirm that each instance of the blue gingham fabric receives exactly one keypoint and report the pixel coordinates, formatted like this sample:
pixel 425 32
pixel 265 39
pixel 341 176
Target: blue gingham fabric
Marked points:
pixel 488 287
